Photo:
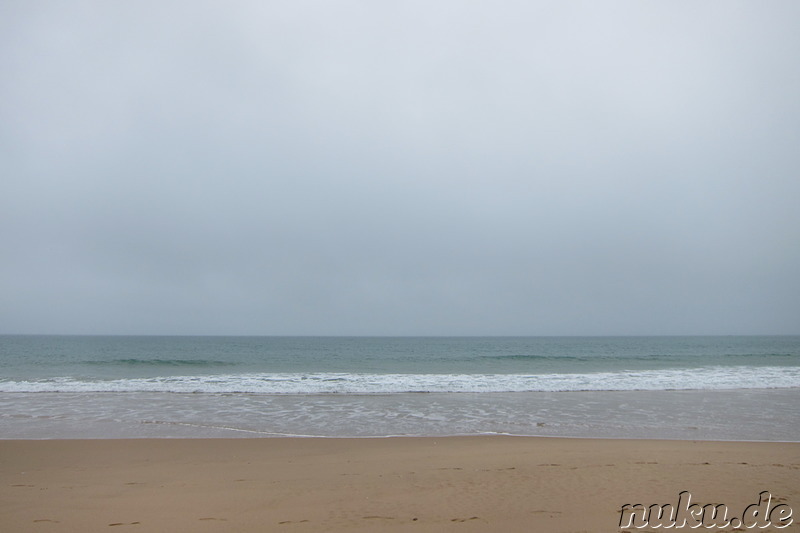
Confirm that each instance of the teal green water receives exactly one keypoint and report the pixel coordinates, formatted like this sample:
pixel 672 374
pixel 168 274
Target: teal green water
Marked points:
pixel 741 388
pixel 83 361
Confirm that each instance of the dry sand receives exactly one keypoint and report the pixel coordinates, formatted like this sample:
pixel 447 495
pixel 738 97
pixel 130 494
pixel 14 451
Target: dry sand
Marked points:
pixel 465 484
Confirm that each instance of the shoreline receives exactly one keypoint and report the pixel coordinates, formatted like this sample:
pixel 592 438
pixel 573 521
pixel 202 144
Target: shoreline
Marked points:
pixel 383 437
pixel 739 415
pixel 421 484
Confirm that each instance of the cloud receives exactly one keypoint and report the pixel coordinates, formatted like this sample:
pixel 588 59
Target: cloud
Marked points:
pixel 348 167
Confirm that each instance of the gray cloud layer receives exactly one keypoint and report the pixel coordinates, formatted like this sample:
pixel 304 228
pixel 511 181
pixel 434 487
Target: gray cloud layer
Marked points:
pixel 355 167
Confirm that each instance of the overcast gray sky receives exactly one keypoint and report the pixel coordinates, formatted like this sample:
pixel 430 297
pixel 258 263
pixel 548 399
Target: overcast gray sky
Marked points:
pixel 399 168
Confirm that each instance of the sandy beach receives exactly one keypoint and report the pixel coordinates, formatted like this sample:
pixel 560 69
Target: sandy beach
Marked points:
pixel 506 484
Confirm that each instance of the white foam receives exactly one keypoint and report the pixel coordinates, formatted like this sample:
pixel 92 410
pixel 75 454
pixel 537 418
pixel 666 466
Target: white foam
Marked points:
pixel 706 378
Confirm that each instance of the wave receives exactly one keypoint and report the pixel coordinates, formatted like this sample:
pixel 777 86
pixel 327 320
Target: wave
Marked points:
pixel 705 378
pixel 159 362
pixel 591 358
pixel 761 355
pixel 626 357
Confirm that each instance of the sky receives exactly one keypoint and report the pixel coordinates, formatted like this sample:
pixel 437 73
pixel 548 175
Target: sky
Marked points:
pixel 355 167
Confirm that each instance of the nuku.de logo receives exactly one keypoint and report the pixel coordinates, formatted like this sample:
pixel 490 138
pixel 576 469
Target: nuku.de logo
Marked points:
pixel 709 516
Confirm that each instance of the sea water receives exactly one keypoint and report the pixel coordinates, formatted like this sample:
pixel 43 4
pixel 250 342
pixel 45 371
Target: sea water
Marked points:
pixel 738 388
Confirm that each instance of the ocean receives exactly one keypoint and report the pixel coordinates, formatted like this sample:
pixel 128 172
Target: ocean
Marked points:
pixel 703 388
